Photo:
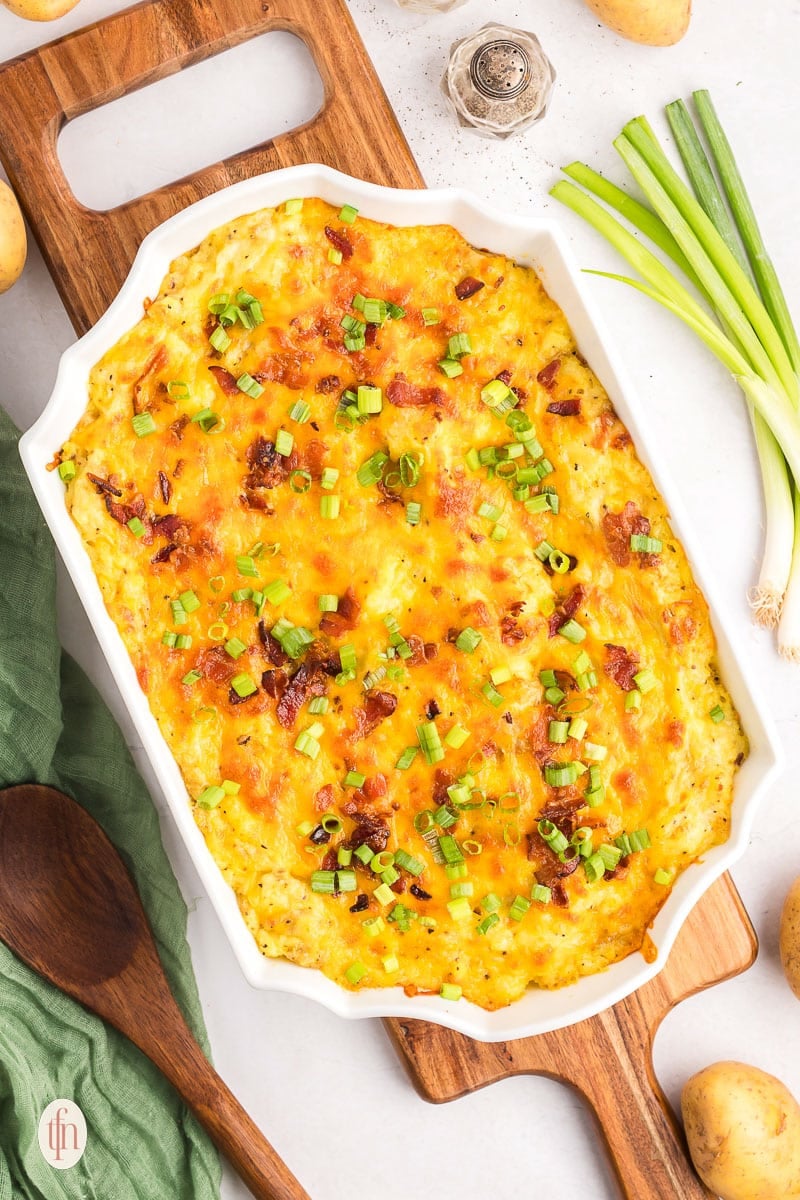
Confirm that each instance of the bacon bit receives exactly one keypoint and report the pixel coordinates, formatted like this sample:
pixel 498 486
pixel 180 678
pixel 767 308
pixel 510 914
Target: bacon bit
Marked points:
pixel 331 860
pixel 468 287
pixel 370 335
pixel 399 885
pixel 268 469
pixel 682 629
pixel 121 513
pixel 370 830
pixel 176 433
pixel 547 375
pixel 565 408
pixel 323 799
pixel 504 377
pixel 432 710
pixel 274 683
pixel 510 632
pixel 339 242
pixel 617 530
pixel 455 501
pixel 675 732
pixel 165 487
pixel 563 812
pixel 154 363
pixel 419 892
pixel 566 610
pixel 621 665
pixel 225 380
pixel 235 698
pixel 516 607
pixel 619 443
pixel 620 870
pixel 346 616
pixel 442 780
pixel 558 894
pixel 362 903
pixel 170 525
pixel 287 368
pixel 389 497
pixel 328 384
pixel 216 664
pixel 403 394
pixel 163 554
pixel 377 707
pixel 312 457
pixel 306 682
pixel 520 393
pixel 420 651
pixel 480 615
pixel 541 746
pixel 375 787
pixel 103 486
pixel 551 871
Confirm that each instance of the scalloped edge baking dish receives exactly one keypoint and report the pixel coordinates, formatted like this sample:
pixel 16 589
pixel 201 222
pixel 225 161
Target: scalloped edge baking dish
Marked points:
pixel 538 243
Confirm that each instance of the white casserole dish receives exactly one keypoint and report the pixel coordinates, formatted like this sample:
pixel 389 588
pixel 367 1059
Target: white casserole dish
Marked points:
pixel 534 242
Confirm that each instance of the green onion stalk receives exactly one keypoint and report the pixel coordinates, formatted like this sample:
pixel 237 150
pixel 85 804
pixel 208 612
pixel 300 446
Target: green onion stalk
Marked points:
pixel 723 285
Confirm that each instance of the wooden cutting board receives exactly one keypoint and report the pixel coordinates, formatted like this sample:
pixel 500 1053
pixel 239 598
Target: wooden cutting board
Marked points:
pixel 608 1058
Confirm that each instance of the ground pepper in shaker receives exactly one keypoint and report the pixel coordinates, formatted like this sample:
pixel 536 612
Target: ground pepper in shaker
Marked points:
pixel 498 81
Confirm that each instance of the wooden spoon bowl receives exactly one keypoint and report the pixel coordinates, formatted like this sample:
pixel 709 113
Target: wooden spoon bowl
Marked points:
pixel 70 909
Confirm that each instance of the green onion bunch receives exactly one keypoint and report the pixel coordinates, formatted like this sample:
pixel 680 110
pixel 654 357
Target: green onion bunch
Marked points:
pixel 723 285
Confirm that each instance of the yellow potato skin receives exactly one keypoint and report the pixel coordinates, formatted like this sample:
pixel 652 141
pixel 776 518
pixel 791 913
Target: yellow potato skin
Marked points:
pixel 743 1130
pixel 39 10
pixel 651 22
pixel 13 243
pixel 790 937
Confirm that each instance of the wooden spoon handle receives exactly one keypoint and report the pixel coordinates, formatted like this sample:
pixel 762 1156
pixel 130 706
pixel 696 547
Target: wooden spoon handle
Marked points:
pixel 231 1129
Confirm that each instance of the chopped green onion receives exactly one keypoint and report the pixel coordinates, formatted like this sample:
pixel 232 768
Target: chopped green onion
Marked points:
pixel 373 926
pixel 300 412
pixel 355 973
pixel 572 631
pixel 328 602
pixel 496 393
pixel 541 894
pixel 364 854
pixel 211 796
pixel 662 877
pixel 235 647
pixel 370 400
pixel 329 507
pixel 633 700
pixel 491 693
pixel 430 742
pixel 640 840
pixel 595 867
pixel 372 470
pixel 348 214
pixel 610 855
pixel 384 894
pixel 578 727
pixel 251 387
pixel 189 601
pixel 430 316
pixel 451 991
pixel 561 774
pixel 168 638
pixel 641 544
pixel 284 442
pixel 456 737
pixel 318 706
pixel 444 816
pixel 346 881
pixel 331 823
pixel 308 745
pixel 220 340
pixel 459 346
pixel 645 680
pixel 183 641
pixel 347 657
pixel 239 595
pixel 354 342
pixel 143 424
pixel 136 527
pixel 328 478
pixel 450 849
pixel 557 732
pixel 245 565
pixel 277 591
pixel 407 862
pixel 519 907
pixel 354 779
pixel 67 470
pixel 406 758
pixel 334 256
pixel 468 640
pixel 460 908
pixel 190 678
pixel 293 206
pixel 450 368
pixel 413 512
pixel 553 836
pixel 243 685
pixel 717 714
pixel 206 418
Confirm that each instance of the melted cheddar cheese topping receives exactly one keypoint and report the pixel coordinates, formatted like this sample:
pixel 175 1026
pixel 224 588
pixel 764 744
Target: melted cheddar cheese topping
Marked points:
pixel 406 606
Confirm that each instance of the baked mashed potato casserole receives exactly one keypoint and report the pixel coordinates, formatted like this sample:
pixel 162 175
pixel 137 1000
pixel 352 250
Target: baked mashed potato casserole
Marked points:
pixel 406 606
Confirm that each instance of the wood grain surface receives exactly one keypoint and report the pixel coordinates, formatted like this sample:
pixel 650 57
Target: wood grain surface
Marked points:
pixel 69 908
pixel 89 253
pixel 609 1058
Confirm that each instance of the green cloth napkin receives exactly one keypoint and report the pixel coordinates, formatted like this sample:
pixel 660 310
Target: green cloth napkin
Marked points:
pixel 142 1143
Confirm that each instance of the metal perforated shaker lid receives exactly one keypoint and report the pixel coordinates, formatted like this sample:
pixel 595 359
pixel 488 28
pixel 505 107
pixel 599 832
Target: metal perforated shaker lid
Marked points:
pixel 500 70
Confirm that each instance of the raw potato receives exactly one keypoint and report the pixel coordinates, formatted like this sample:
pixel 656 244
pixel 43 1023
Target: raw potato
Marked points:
pixel 790 937
pixel 743 1130
pixel 39 10
pixel 653 22
pixel 13 244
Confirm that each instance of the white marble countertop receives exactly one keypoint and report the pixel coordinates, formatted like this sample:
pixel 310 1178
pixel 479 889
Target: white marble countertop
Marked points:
pixel 331 1095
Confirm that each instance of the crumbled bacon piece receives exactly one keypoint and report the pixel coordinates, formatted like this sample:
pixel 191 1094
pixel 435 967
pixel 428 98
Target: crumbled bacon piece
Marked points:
pixel 389 497
pixel 617 530
pixel 468 287
pixel 323 799
pixel 275 652
pixel 371 831
pixel 362 903
pixel 377 707
pixel 442 780
pixel 156 361
pixel 274 683
pixel 403 394
pixel 339 241
pixel 287 368
pixel 103 486
pixel 268 469
pixel 547 375
pixel 216 664
pixel 376 786
pixel 510 631
pixel 345 618
pixel 165 487
pixel 225 380
pixel 313 456
pixel 306 682
pixel 621 665
pixel 420 651
pixel 328 384
pixel 170 525
pixel 163 554
pixel 567 609
pixel 565 408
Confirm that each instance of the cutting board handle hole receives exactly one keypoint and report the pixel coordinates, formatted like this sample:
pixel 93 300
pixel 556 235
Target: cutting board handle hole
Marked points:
pixel 180 124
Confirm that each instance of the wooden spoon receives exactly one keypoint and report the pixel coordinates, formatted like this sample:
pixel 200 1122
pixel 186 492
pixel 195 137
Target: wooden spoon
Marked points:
pixel 70 910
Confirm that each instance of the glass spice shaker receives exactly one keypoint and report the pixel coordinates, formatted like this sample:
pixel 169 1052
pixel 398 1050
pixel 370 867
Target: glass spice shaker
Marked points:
pixel 498 80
